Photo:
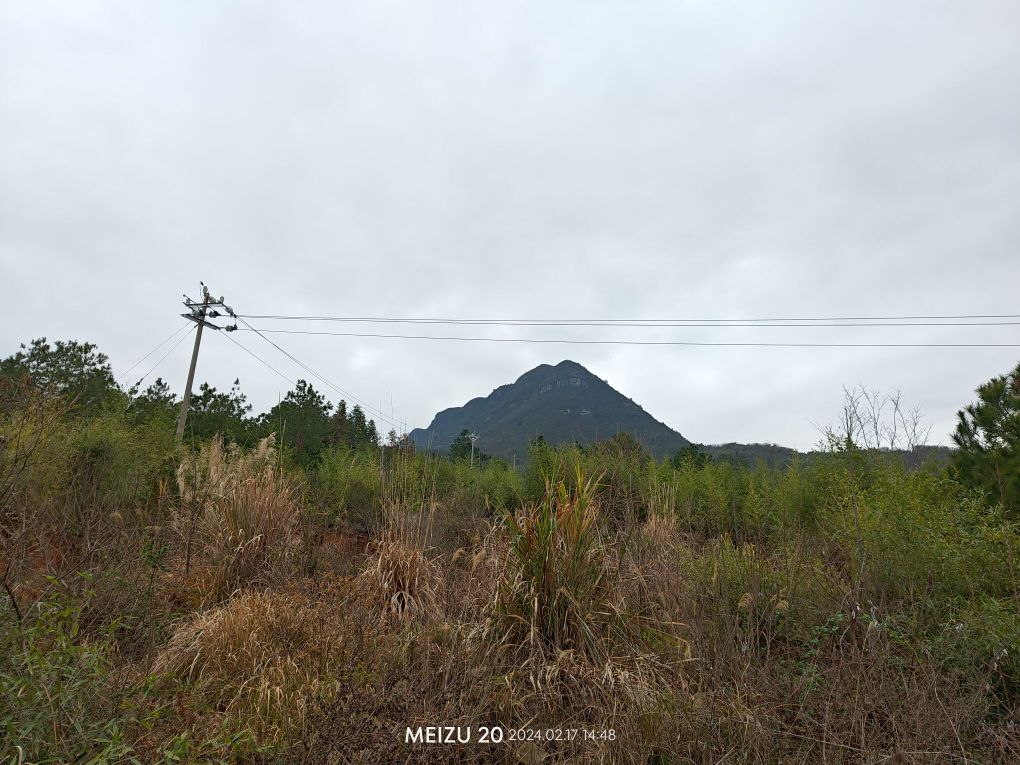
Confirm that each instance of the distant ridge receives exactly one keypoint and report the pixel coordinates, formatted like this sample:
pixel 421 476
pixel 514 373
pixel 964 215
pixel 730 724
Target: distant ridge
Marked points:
pixel 563 403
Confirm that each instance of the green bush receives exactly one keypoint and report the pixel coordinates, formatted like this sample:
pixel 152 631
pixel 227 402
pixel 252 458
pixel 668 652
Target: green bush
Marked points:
pixel 61 699
pixel 57 699
pixel 982 639
pixel 558 594
pixel 93 468
pixel 349 487
pixel 753 595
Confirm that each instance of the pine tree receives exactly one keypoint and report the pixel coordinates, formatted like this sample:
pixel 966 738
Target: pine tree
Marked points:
pixel 305 414
pixel 357 428
pixel 225 414
pixel 77 370
pixel 460 449
pixel 156 402
pixel 988 436
pixel 339 425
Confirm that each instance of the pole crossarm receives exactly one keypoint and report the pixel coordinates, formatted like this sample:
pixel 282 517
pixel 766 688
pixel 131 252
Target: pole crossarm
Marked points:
pixel 197 318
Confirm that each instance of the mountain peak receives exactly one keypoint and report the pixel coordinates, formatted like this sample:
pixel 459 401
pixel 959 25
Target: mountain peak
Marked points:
pixel 563 403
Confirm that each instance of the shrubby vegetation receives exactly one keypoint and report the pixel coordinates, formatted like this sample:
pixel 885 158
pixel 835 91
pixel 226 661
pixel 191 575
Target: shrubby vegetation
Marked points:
pixel 286 588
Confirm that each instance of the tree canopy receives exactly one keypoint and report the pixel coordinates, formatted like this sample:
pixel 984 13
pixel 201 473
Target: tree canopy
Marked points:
pixel 68 367
pixel 988 437
pixel 304 420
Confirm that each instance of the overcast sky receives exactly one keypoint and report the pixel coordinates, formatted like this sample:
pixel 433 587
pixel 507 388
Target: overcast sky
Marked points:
pixel 521 160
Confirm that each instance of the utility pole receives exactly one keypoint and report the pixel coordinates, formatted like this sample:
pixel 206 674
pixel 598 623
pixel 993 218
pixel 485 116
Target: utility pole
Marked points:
pixel 473 438
pixel 198 312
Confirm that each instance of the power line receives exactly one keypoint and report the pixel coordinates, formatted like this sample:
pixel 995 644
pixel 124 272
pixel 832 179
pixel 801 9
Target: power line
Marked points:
pixel 971 320
pixel 260 359
pixel 164 356
pixel 163 342
pixel 650 323
pixel 379 413
pixel 639 342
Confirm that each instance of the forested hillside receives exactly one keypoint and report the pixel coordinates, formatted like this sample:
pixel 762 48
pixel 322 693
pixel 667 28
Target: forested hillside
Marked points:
pixel 563 404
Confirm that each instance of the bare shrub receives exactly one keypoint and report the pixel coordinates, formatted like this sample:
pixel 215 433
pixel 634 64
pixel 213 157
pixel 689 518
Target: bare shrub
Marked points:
pixel 27 421
pixel 874 420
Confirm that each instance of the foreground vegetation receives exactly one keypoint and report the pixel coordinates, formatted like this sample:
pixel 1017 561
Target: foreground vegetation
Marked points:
pixel 242 600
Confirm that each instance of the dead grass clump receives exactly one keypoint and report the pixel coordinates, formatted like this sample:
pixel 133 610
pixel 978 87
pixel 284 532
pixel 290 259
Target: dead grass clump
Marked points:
pixel 475 572
pixel 651 580
pixel 240 518
pixel 215 470
pixel 873 695
pixel 660 531
pixel 401 582
pixel 399 678
pixel 255 660
pixel 250 535
pixel 633 679
pixel 662 500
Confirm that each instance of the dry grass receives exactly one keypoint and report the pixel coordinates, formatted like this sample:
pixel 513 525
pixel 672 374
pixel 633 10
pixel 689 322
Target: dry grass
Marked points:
pixel 257 659
pixel 660 531
pixel 558 633
pixel 401 581
pixel 239 518
pixel 215 470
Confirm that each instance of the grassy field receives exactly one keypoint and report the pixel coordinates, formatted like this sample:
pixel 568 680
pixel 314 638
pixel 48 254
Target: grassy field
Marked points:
pixel 221 604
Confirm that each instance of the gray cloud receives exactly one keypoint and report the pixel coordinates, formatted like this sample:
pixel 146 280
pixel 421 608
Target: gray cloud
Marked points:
pixel 524 160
